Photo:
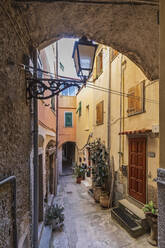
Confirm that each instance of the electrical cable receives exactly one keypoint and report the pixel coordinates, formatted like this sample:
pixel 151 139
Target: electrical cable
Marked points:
pixel 120 93
pixel 90 84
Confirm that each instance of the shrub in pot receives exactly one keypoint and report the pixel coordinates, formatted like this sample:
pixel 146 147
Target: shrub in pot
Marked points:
pixel 152 217
pixel 54 216
pixel 78 173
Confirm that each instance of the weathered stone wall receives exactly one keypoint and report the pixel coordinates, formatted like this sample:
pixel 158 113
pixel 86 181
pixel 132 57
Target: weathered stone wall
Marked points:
pixel 6 227
pixel 132 30
pixel 15 134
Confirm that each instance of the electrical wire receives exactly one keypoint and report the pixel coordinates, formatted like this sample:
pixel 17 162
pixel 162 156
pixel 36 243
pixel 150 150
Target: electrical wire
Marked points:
pixel 91 85
pixel 121 94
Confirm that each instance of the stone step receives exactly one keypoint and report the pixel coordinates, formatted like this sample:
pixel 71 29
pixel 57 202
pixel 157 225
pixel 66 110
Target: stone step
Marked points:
pixel 45 241
pixel 127 221
pixel 136 212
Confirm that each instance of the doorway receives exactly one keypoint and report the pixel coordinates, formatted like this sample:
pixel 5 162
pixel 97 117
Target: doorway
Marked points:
pixel 68 157
pixel 137 168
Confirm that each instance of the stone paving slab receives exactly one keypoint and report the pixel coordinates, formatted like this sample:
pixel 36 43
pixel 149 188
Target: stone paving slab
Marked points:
pixel 87 225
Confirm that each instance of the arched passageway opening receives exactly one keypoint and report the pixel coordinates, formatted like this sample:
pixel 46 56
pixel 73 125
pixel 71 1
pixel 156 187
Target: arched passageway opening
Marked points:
pixel 68 157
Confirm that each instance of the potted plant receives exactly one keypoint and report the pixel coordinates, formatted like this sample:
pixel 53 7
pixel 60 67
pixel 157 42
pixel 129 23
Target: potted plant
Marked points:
pixel 152 216
pixel 104 199
pixel 88 171
pixel 54 216
pixel 78 172
pixel 99 157
pixel 83 167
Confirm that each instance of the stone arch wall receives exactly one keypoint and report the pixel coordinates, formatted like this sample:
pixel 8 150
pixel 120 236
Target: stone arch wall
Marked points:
pixel 132 30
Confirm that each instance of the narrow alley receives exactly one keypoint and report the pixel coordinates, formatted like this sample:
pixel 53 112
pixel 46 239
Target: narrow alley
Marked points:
pixel 86 224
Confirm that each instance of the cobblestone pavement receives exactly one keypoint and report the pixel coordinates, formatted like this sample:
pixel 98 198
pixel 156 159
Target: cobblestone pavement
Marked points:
pixel 86 224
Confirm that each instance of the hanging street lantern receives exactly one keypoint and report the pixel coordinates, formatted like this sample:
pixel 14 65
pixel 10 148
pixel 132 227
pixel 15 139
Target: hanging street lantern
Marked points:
pixel 43 88
pixel 84 55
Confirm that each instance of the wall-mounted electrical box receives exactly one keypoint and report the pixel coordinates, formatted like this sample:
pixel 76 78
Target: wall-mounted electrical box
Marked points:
pixel 155 128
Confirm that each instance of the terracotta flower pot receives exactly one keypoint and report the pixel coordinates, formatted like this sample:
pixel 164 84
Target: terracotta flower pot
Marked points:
pixel 97 193
pixel 104 201
pixel 78 180
pixel 153 223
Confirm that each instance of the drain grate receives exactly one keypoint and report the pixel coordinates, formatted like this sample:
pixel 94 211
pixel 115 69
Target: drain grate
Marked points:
pixel 125 217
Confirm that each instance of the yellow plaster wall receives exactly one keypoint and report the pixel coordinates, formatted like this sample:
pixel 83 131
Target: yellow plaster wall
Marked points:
pixel 90 96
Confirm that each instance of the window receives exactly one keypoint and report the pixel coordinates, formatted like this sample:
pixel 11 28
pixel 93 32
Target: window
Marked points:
pixel 87 118
pixel 114 54
pixel 68 119
pixel 79 109
pixel 136 99
pixel 98 67
pixel 99 113
pixel 53 103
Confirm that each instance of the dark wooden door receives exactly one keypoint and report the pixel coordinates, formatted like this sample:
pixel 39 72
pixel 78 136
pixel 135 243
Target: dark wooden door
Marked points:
pixel 40 191
pixel 137 168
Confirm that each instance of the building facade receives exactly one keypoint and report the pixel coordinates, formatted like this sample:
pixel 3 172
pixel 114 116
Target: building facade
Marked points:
pixel 121 106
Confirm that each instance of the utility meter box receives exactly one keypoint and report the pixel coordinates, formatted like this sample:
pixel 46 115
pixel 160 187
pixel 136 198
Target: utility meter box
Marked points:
pixel 155 128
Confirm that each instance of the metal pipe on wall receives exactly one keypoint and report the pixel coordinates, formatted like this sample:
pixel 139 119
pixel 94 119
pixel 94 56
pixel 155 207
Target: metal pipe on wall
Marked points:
pixel 109 108
pixel 35 160
pixel 12 179
pixel 57 169
pixel 120 111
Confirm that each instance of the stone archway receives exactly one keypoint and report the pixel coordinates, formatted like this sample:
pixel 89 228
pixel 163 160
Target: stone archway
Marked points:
pixel 131 29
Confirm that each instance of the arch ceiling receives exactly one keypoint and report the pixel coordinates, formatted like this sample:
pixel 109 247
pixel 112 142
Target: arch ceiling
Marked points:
pixel 131 29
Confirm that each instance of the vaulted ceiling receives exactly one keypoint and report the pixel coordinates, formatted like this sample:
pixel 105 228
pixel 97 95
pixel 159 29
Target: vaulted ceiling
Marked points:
pixel 131 27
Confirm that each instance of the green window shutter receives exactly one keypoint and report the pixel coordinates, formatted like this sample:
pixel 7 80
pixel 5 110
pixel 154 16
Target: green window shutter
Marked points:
pixel 68 119
pixel 79 109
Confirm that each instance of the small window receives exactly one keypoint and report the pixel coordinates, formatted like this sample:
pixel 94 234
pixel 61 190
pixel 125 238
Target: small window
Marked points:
pixel 114 54
pixel 53 103
pixel 68 119
pixel 98 67
pixel 79 109
pixel 99 113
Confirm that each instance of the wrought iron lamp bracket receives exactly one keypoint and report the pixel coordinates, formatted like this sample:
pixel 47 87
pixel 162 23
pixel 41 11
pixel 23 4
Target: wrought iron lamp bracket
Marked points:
pixel 46 88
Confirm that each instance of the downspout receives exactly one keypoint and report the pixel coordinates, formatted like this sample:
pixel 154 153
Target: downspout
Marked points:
pixel 120 112
pixel 57 107
pixel 109 108
pixel 123 107
pixel 35 159
pixel 12 181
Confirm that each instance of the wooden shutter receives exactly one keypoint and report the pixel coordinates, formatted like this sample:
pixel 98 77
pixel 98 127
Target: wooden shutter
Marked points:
pixel 136 99
pixel 99 64
pixel 99 113
pixel 68 119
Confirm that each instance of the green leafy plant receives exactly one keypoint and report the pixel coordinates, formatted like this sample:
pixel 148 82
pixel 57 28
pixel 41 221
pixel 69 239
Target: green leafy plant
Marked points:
pixel 149 208
pixel 100 158
pixel 54 212
pixel 78 171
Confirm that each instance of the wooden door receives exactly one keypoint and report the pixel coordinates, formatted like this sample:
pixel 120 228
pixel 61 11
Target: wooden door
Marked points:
pixel 137 168
pixel 40 191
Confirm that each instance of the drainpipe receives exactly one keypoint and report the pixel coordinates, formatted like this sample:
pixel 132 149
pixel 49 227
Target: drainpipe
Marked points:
pixel 12 181
pixel 57 169
pixel 109 108
pixel 123 107
pixel 35 159
pixel 120 112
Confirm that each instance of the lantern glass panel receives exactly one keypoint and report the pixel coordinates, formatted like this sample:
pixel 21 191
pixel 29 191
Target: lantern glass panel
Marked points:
pixel 86 55
pixel 76 62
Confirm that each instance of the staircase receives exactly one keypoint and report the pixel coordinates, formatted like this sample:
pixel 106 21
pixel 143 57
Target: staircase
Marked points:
pixel 130 217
